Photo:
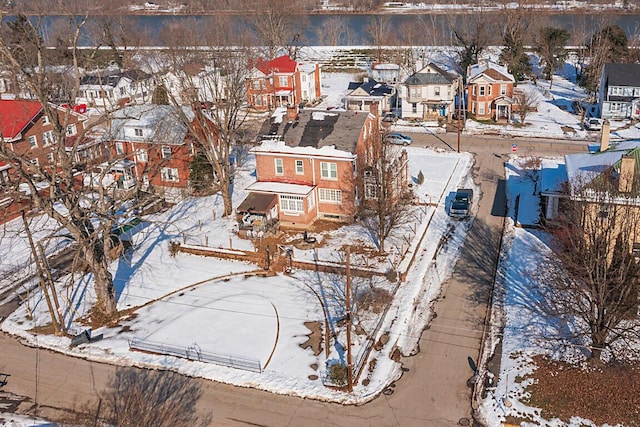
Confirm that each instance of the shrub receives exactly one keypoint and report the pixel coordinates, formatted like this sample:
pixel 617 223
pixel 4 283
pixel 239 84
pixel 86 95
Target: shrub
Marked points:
pixel 338 374
pixel 420 179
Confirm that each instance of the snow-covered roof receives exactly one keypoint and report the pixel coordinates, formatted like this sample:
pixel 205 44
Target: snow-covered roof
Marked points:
pixel 553 175
pixel 163 123
pixel 490 70
pixel 584 167
pixel 279 147
pixel 280 188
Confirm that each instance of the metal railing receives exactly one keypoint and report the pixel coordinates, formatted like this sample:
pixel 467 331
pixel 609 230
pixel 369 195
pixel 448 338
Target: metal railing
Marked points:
pixel 193 352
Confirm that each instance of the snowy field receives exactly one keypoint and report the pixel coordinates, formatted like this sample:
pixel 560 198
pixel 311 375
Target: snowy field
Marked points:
pixel 194 302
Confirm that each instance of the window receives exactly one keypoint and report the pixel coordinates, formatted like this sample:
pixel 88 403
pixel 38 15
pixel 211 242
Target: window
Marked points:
pixel 169 174
pixel 415 92
pixel 256 84
pixel 615 90
pixel 329 195
pixel 480 108
pixel 299 167
pixel 142 155
pixel 304 78
pixel 283 81
pixel 35 162
pixel 311 202
pixel 436 91
pixel 482 90
pixel 328 170
pixel 138 132
pixel 414 107
pixel 489 90
pixel 72 129
pixel 122 91
pixel 503 89
pixel 192 149
pixel 292 203
pixel 370 190
pixel 45 120
pixel 474 90
pixel 33 141
pixel 279 167
pixel 166 152
pixel 473 107
pixel 48 138
pixel 51 158
pixel 119 148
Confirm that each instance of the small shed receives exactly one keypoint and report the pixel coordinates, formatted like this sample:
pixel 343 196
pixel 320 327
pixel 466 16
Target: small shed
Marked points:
pixel 257 212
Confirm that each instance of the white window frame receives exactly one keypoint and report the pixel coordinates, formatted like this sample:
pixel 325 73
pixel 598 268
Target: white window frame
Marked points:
pixel 503 89
pixel 142 156
pixel 481 108
pixel 370 190
pixel 35 161
pixel 283 81
pixel 291 203
pixel 436 90
pixel 119 148
pixel 33 141
pixel 169 174
pixel 138 132
pixel 311 201
pixel 48 138
pixel 299 167
pixel 482 91
pixel 166 152
pixel 51 158
pixel 329 170
pixel 45 120
pixel 72 129
pixel 329 195
pixel 278 166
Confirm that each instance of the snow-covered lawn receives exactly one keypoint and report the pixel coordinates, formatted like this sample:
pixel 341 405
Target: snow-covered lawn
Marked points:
pixel 224 307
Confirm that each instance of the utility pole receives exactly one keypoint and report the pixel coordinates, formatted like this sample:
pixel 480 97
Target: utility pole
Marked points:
pixel 43 283
pixel 459 111
pixel 348 302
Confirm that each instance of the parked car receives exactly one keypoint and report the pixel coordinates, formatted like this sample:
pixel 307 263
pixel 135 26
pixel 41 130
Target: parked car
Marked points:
pixel 390 118
pixel 593 124
pixel 461 204
pixel 398 138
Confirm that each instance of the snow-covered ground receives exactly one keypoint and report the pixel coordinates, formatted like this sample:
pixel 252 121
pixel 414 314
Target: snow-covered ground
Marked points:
pixel 193 302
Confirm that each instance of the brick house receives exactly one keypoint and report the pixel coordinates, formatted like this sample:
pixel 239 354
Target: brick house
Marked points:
pixel 430 93
pixel 282 82
pixel 151 143
pixel 28 133
pixel 309 167
pixel 489 91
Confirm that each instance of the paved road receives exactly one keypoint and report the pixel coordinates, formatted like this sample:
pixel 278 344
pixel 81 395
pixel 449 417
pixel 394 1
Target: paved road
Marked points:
pixel 434 390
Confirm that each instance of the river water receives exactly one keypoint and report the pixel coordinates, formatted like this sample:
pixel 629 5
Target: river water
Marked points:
pixel 431 29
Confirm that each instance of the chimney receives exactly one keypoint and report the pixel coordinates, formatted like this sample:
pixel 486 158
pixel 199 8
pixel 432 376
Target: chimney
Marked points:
pixel 292 112
pixel 627 171
pixel 604 136
pixel 365 80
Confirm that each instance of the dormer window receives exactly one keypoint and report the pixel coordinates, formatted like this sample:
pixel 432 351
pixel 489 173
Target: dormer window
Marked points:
pixel 138 132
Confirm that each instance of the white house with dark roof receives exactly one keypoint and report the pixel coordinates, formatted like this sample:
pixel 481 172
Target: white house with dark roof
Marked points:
pixel 369 94
pixel 430 93
pixel 619 93
pixel 128 87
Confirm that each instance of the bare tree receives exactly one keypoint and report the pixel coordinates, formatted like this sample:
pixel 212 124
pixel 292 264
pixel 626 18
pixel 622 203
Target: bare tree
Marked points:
pixel 55 187
pixel 599 226
pixel 140 397
pixel 531 167
pixel 386 202
pixel 378 30
pixel 525 101
pixel 472 34
pixel 607 44
pixel 213 83
pixel 277 25
pixel 333 31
